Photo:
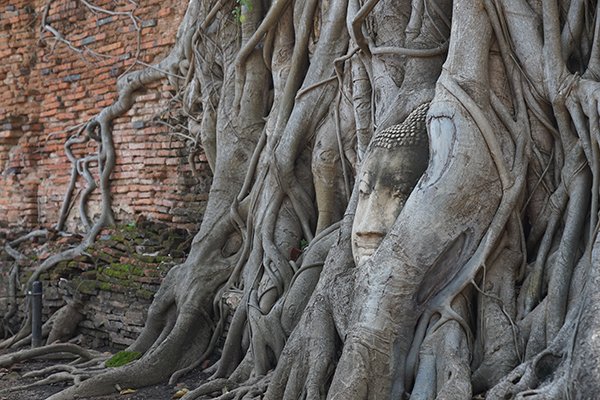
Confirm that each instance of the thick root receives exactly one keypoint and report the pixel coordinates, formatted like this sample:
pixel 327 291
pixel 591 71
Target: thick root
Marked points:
pixel 444 371
pixel 307 362
pixel 68 348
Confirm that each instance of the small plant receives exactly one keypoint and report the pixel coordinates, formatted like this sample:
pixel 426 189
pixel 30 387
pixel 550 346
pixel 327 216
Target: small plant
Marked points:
pixel 237 10
pixel 122 358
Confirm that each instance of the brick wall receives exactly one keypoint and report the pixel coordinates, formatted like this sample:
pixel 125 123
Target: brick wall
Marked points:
pixel 113 282
pixel 48 88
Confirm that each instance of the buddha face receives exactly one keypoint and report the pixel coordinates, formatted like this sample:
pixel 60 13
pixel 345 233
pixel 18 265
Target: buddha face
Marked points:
pixel 386 179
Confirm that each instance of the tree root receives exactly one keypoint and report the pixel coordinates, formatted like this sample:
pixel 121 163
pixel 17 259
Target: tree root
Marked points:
pixel 54 378
pixel 166 335
pixel 215 385
pixel 546 373
pixel 68 348
pixel 443 370
pixel 65 322
pixel 526 380
pixel 75 372
pixel 230 390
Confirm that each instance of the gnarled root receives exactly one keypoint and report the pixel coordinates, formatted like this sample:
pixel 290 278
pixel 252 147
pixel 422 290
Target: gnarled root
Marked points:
pixel 69 348
pixel 170 341
pixel 444 371
pixel 526 380
pixel 498 346
pixel 307 362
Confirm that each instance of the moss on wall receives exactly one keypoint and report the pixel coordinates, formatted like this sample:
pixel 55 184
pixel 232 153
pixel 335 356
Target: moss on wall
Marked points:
pixel 131 259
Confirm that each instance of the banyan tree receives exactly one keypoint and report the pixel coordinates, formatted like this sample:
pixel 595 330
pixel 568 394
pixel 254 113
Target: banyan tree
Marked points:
pixel 404 202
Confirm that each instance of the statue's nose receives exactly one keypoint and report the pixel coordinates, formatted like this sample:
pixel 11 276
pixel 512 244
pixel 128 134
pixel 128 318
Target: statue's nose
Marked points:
pixel 372 222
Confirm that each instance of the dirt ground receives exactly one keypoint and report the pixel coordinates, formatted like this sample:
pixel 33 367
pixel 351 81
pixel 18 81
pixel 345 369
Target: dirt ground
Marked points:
pixel 12 377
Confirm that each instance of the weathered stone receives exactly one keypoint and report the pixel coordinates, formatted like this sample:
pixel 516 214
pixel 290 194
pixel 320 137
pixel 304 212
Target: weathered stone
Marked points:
pixel 134 317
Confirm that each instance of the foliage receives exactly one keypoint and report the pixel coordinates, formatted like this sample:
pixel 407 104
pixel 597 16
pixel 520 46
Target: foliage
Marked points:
pixel 242 6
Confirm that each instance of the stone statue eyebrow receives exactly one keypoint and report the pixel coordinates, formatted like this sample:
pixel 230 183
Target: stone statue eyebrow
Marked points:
pixel 411 132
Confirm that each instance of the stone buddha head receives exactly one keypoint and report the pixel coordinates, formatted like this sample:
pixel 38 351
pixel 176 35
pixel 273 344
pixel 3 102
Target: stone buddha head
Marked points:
pixel 395 160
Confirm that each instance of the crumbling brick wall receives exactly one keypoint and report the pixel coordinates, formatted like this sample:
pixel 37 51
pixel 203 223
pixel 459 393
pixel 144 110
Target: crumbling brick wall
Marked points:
pixel 48 89
pixel 112 284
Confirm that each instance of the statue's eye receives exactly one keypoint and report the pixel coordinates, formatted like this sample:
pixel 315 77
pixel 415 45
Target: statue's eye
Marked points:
pixel 364 189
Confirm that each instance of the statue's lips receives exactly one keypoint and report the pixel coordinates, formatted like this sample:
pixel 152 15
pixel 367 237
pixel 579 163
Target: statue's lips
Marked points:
pixel 367 247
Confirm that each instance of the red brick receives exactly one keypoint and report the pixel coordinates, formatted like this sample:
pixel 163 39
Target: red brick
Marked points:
pixel 148 177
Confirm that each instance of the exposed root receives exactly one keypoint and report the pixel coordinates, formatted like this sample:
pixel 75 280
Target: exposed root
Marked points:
pixel 443 370
pixel 225 389
pixel 65 322
pixel 68 348
pixel 534 378
pixel 215 385
pixel 54 378
pixel 60 373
